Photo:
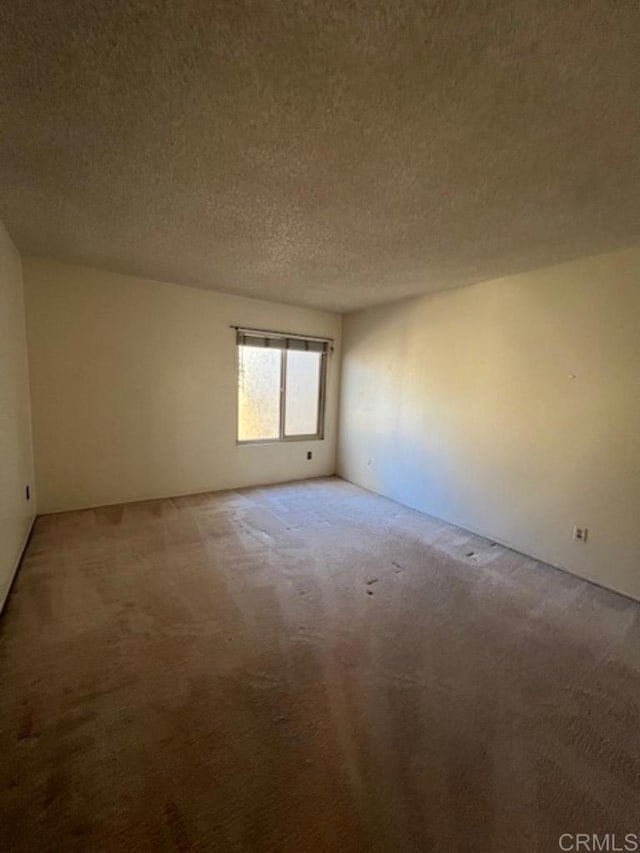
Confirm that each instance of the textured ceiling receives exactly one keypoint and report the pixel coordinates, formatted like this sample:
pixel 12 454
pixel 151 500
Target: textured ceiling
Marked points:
pixel 333 153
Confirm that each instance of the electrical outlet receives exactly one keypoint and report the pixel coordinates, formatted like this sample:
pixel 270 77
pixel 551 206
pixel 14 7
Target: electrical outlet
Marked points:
pixel 580 533
pixel 309 454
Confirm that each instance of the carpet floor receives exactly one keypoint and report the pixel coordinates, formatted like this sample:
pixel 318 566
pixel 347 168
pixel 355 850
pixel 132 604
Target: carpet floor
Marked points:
pixel 308 667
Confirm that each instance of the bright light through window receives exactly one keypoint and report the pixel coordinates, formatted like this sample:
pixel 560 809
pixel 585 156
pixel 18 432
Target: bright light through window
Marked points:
pixel 258 394
pixel 280 388
pixel 302 398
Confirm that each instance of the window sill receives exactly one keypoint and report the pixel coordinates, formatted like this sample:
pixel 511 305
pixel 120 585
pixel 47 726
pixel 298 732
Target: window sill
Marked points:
pixel 269 441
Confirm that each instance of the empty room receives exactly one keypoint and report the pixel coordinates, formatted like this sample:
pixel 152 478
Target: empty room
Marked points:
pixel 320 426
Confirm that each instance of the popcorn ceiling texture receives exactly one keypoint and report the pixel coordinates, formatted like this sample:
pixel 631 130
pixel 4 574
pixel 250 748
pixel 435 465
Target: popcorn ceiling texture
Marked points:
pixel 332 153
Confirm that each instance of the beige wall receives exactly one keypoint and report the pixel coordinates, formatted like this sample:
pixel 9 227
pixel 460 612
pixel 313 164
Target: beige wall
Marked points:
pixel 16 459
pixel 511 408
pixel 134 388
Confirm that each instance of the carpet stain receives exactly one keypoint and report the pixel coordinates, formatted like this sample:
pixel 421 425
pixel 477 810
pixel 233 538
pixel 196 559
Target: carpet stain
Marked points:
pixel 191 675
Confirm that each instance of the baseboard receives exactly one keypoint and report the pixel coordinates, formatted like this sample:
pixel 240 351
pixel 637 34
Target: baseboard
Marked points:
pixel 21 553
pixel 167 497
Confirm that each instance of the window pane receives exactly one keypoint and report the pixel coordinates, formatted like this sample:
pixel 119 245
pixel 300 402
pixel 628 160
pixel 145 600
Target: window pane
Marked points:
pixel 258 393
pixel 303 384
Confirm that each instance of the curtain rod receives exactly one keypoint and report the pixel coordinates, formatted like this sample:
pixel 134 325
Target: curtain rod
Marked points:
pixel 280 334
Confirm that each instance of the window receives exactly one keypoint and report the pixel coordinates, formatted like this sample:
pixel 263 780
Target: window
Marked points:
pixel 281 386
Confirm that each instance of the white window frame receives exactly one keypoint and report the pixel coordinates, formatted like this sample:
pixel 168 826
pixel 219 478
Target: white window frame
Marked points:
pixel 285 342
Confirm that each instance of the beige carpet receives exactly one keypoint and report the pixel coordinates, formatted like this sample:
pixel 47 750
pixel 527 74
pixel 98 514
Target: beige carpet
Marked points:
pixel 308 667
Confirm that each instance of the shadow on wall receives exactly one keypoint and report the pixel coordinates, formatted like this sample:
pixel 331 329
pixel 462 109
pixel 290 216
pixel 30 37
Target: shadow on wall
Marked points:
pixel 510 408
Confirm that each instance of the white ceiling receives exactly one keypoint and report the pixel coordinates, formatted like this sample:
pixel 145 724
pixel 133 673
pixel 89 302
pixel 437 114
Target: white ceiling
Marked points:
pixel 332 153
